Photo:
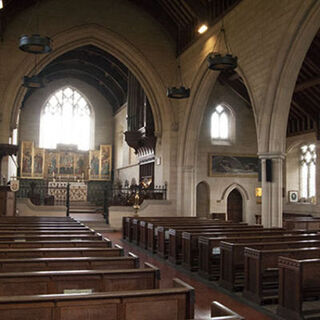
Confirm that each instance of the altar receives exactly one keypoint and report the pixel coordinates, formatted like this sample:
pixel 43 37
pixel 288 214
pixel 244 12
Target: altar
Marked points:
pixel 58 189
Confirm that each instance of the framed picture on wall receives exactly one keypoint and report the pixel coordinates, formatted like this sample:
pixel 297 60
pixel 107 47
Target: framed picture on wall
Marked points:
pixel 293 196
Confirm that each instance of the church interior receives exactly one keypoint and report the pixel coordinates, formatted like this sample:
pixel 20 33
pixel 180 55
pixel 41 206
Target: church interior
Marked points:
pixel 159 159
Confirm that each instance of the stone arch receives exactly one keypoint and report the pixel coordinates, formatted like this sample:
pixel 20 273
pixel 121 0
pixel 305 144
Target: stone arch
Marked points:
pixel 296 42
pixel 114 44
pixel 202 86
pixel 203 199
pixel 231 187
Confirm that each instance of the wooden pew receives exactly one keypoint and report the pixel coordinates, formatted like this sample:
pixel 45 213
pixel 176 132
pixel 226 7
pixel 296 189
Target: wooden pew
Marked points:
pixel 175 303
pixel 55 282
pixel 149 237
pixel 190 243
pixel 50 237
pixel 302 223
pixel 209 248
pixel 76 263
pixel 232 258
pixel 55 244
pixel 55 232
pixel 298 280
pixel 264 263
pixel 158 233
pixel 60 252
pixel 139 226
pixel 221 312
pixel 43 229
pixel 175 238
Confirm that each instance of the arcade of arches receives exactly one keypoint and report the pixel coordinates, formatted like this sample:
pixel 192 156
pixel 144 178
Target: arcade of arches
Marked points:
pixel 103 118
pixel 106 60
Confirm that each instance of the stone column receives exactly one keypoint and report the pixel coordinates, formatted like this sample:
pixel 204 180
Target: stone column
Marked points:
pixel 272 192
pixel 188 190
pixel 318 173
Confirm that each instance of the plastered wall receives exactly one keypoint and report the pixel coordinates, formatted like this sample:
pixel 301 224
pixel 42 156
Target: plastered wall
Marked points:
pixel 245 143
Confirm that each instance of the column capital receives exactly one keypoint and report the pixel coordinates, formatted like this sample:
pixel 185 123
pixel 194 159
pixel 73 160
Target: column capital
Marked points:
pixel 272 155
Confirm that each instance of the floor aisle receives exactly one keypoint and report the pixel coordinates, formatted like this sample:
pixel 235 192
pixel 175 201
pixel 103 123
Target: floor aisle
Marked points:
pixel 204 294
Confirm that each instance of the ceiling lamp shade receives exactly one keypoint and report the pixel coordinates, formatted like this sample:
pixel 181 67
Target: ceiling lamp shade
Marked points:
pixel 35 44
pixel 178 93
pixel 33 82
pixel 220 63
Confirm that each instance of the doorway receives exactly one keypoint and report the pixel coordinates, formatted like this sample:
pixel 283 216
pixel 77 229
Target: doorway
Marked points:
pixel 234 206
pixel 203 200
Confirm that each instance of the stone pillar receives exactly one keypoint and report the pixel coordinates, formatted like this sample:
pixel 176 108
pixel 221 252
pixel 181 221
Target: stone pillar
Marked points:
pixel 272 192
pixel 188 192
pixel 318 173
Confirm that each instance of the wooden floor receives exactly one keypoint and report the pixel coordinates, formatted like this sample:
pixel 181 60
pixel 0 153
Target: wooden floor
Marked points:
pixel 204 293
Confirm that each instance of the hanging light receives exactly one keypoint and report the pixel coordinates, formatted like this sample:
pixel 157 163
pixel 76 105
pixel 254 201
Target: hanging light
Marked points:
pixel 35 44
pixel 34 81
pixel 1 4
pixel 178 92
pixel 217 60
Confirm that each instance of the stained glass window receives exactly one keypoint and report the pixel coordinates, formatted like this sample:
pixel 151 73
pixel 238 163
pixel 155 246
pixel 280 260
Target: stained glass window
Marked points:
pixel 220 123
pixel 308 171
pixel 65 118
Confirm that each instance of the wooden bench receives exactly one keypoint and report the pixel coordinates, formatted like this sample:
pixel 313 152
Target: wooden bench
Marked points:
pixel 161 235
pixel 232 257
pixel 70 263
pixel 60 252
pixel 175 238
pixel 43 229
pixel 261 270
pixel 56 244
pixel 149 238
pixel 55 232
pixel 176 303
pixel 303 223
pixel 55 282
pixel 209 248
pixel 298 280
pixel 190 243
pixel 50 237
pixel 221 312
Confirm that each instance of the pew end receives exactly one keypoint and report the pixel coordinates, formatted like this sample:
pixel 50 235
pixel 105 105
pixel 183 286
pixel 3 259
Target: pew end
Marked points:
pixel 136 258
pixel 156 270
pixel 178 283
pixel 120 248
pixel 221 312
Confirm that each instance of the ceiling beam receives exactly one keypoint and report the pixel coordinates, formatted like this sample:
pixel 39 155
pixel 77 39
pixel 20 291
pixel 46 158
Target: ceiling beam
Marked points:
pixel 307 84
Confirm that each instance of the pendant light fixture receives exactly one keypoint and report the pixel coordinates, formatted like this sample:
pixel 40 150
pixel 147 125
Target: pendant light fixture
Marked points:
pixel 35 43
pixel 34 81
pixel 178 92
pixel 218 60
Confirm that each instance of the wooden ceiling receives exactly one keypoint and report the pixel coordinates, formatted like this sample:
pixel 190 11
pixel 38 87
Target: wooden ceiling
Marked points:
pixel 93 66
pixel 180 18
pixel 304 114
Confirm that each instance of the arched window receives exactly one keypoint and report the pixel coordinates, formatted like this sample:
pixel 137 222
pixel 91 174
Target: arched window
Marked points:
pixel 221 126
pixel 66 118
pixel 308 171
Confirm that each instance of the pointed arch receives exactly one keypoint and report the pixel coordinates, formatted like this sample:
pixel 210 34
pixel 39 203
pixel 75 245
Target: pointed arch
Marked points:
pixel 233 186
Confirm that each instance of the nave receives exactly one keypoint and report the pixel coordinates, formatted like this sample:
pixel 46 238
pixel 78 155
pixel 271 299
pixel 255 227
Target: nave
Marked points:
pixel 205 292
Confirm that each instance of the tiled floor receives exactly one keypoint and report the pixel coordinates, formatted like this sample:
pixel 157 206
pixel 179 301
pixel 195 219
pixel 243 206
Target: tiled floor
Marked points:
pixel 205 294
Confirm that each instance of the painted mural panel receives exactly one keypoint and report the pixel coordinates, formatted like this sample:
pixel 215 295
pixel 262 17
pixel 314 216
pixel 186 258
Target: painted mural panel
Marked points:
pixel 233 165
pixel 94 162
pixel 38 162
pixel 66 163
pixel 80 164
pixel 26 159
pixel 52 163
pixel 105 162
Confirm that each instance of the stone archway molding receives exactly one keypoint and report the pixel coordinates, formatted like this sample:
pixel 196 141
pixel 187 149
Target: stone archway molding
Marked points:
pixel 113 43
pixel 233 186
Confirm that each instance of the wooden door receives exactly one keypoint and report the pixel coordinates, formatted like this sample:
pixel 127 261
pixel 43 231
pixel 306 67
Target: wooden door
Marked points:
pixel 234 206
pixel 203 200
